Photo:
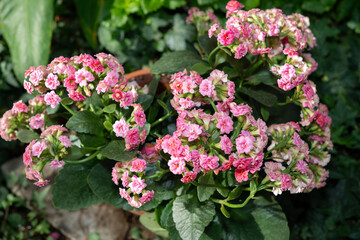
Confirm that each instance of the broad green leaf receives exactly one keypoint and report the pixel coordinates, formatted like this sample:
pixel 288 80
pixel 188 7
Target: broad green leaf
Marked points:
pixel 265 113
pixel 71 190
pixel 207 44
pixel 191 217
pixel 166 213
pixel 313 6
pixel 93 141
pixel 148 220
pixel 67 101
pixel 115 150
pixel 85 122
pixel 201 67
pixel 110 108
pixel 108 126
pixel 150 5
pixel 206 187
pixel 145 100
pixel 175 62
pixel 260 219
pixel 220 57
pixel 26 136
pixel 268 99
pixel 261 77
pixel 154 85
pixel 27 28
pixel 204 2
pixel 249 4
pixel 172 4
pixel 235 193
pixel 181 32
pixel 89 12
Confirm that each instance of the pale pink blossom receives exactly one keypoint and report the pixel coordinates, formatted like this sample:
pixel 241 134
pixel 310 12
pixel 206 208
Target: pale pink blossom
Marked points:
pixel 135 202
pixel 36 122
pixel 42 183
pixel 192 131
pixel 28 87
pixel 139 117
pixel 56 163
pixel 52 99
pixel 226 144
pixel 124 194
pixel 171 145
pixel 224 123
pixel 65 141
pixel 52 81
pixel 102 87
pixel 176 165
pixel 112 78
pixel 125 179
pixel 121 127
pixel 273 30
pixel 209 162
pixel 19 107
pixel 132 139
pixel 76 96
pixel 38 148
pixel 213 29
pixel 137 184
pixel 146 197
pixel 138 165
pixel 241 51
pixel 297 140
pixel 127 100
pixel 70 82
pixel 245 142
pixel 36 76
pixel 241 109
pixel 186 103
pixel 82 77
pixel 27 158
pixel 286 181
pixel 234 6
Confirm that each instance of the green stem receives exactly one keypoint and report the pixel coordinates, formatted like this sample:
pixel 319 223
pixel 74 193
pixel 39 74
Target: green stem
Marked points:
pixel 212 104
pixel 254 67
pixel 162 119
pixel 68 109
pixel 212 53
pixel 84 159
pixel 231 205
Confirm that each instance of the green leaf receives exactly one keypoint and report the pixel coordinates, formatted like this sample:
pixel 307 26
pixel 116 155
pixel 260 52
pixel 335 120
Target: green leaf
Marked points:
pixel 67 101
pixel 175 62
pixel 265 113
pixel 71 190
pixel 93 141
pixel 313 6
pixel 265 98
pixel 94 236
pixel 220 57
pixel 166 213
pixel 89 12
pixel 191 217
pixel 154 85
pixel 115 150
pixel 27 28
pixel 26 136
pixel 85 122
pixel 207 44
pixel 204 2
pixel 206 187
pixel 201 67
pixel 110 108
pixel 249 4
pixel 235 193
pixel 108 126
pixel 224 211
pixel 151 5
pixel 148 220
pixel 260 219
pixel 261 77
pixel 181 32
pixel 145 100
pixel 172 4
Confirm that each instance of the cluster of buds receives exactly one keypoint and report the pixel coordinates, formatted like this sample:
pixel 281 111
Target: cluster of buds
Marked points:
pixel 131 174
pixel 79 77
pixel 292 168
pixel 49 149
pixel 193 91
pixel 230 137
pixel 202 20
pixel 22 116
pixel 132 129
pixel 262 32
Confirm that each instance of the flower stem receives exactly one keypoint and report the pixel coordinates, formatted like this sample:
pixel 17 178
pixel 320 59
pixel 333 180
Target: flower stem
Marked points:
pixel 68 109
pixel 84 159
pixel 231 205
pixel 211 54
pixel 169 114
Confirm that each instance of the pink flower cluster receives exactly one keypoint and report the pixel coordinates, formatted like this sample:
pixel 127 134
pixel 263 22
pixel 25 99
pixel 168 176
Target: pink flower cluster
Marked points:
pixel 80 76
pixel 292 167
pixel 202 20
pixel 133 129
pixel 22 116
pixel 130 173
pixel 262 32
pixel 47 150
pixel 193 91
pixel 194 147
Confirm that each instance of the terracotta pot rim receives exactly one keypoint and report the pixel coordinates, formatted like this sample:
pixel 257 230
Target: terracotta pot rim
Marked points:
pixel 137 73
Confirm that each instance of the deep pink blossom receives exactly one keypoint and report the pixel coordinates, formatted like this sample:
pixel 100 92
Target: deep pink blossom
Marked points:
pixel 241 51
pixel 241 175
pixel 209 162
pixel 226 144
pixel 139 117
pixel 224 123
pixel 286 181
pixel 146 197
pixel 19 107
pixel 76 96
pixel 225 37
pixel 188 177
pixel 132 139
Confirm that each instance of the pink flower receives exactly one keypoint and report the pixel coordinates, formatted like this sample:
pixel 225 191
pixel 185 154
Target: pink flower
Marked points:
pixel 188 85
pixel 132 139
pixel 95 65
pixel 186 103
pixel 32 174
pixel 42 183
pixel 52 99
pixel 36 122
pixel 302 166
pixel 171 145
pixel 192 131
pixel 65 141
pixel 188 177
pixel 53 130
pixel 241 51
pixel 273 30
pixel 234 6
pixel 225 124
pixel 38 148
pixel 82 77
pixel 70 83
pixel 135 202
pixel 213 29
pixel 241 175
pixel 127 99
pixel 225 37
pixel 112 78
pixel 176 165
pixel 146 197
pixel 28 87
pixel 238 110
pixel 52 81
pixel 102 87
pixel 209 162
pixel 137 184
pixel 245 142
pixel 56 163
pixel 285 84
pixel 286 181
pixel 308 91
pixel 121 128
pixel 226 144
pixel 19 107
pixel 76 96
pixel 297 140
pixel 139 117
pixel 124 194
pixel 36 76
pixel 138 165
pixel 125 179
pixel 27 159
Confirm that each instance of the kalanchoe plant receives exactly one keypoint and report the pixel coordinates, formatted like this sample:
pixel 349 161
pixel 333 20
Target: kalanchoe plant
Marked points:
pixel 238 117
